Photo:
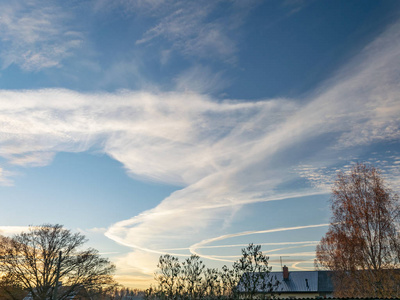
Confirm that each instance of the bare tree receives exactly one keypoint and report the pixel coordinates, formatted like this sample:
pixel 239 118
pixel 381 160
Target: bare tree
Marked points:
pixel 47 255
pixel 192 280
pixel 229 280
pixel 255 279
pixel 168 276
pixel 192 276
pixel 176 280
pixel 211 286
pixel 362 244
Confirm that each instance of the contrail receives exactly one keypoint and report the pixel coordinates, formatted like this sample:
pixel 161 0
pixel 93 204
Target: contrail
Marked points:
pixel 193 248
pixel 244 245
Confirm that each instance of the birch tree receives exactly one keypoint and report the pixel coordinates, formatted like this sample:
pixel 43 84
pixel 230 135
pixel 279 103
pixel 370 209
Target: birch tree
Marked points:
pixel 362 244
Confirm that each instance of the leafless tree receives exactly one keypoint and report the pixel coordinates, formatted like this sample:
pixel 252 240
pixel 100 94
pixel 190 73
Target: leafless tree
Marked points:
pixel 47 255
pixel 229 280
pixel 362 244
pixel 192 280
pixel 168 276
pixel 211 285
pixel 255 272
pixel 192 277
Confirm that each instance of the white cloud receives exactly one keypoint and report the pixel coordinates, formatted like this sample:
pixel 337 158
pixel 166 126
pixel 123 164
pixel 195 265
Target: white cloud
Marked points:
pixel 11 230
pixel 200 79
pixel 323 177
pixel 188 29
pixel 203 243
pixel 320 178
pixel 97 230
pixel 5 177
pixel 34 34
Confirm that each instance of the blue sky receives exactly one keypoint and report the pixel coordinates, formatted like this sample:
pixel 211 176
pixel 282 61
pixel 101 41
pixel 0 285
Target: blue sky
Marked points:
pixel 190 127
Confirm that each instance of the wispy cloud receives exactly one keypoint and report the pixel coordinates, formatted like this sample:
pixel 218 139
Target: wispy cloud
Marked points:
pixel 222 153
pixel 322 177
pixel 188 29
pixel 201 244
pixel 11 230
pixel 200 79
pixel 5 175
pixel 35 35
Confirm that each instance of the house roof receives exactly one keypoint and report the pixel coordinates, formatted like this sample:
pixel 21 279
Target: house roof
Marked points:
pixel 299 282
pixel 304 281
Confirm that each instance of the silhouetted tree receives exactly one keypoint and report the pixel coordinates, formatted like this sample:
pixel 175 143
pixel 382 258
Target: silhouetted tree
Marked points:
pixel 362 244
pixel 45 255
pixel 254 270
pixel 191 279
pixel 168 276
pixel 211 286
pixel 229 280
pixel 192 276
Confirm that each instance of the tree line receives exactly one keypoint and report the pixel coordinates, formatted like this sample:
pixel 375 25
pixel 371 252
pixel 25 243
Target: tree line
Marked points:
pixel 191 279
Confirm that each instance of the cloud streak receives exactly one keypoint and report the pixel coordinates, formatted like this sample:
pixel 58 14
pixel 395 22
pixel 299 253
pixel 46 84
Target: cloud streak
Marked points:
pixel 34 35
pixel 188 29
pixel 11 230
pixel 202 244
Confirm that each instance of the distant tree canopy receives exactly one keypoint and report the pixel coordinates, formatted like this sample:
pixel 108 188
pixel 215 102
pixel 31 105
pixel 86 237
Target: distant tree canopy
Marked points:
pixel 10 290
pixel 118 293
pixel 39 259
pixel 192 280
pixel 362 244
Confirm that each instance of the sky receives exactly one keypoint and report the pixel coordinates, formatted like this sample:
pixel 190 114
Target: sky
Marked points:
pixel 193 127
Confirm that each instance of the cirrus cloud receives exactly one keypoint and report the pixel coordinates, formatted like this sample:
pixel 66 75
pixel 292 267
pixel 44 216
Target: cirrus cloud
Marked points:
pixel 35 35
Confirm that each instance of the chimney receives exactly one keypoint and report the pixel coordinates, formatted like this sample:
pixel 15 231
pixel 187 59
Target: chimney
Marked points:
pixel 285 273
